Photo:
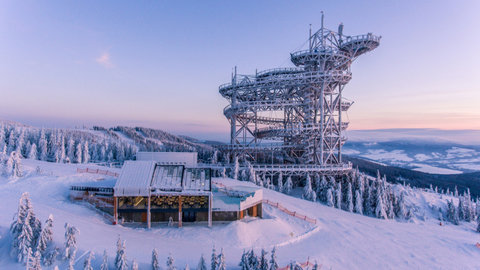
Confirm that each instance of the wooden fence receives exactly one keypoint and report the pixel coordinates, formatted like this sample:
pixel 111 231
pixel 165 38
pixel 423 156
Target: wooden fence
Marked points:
pixel 288 212
pixel 97 171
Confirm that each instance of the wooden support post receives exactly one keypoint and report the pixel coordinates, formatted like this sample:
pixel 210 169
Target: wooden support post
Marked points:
pixel 149 214
pixel 210 210
pixel 115 210
pixel 179 211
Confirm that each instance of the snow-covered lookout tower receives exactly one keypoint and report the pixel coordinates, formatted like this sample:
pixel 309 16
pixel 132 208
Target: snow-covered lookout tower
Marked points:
pixel 290 120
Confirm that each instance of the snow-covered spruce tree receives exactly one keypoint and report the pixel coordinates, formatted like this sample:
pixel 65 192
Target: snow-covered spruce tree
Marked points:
pixel 214 260
pixel 308 192
pixel 338 196
pixel 121 257
pixel 273 259
pixel 349 198
pixel 358 202
pixel 32 153
pixel 224 173
pixel 253 261
pixel 280 183
pixel 322 190
pixel 251 174
pixel 236 168
pixel 22 245
pixel 42 144
pixel 263 260
pixel 380 208
pixel 71 149
pixel 134 265
pixel 25 229
pixel 17 171
pixel 11 141
pixel 86 155
pixel 87 264
pixel 155 261
pixel 244 265
pixel 288 185
pixel 202 265
pixel 104 265
pixel 46 236
pixel 78 153
pixel 330 197
pixel 221 261
pixel 70 241
pixel 478 225
pixel 170 262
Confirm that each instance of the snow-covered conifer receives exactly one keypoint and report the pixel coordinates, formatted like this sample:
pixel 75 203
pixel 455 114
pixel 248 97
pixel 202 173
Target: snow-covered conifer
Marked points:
pixel 71 149
pixel 273 259
pixel 170 262
pixel 308 192
pixel 32 153
pixel 221 261
pixel 70 240
pixel 236 168
pixel 121 257
pixel 280 183
pixel 349 198
pixel 253 261
pixel 330 197
pixel 104 265
pixel 358 202
pixel 187 267
pixel 86 155
pixel 87 264
pixel 288 185
pixel 46 236
pixel 244 265
pixel 202 265
pixel 263 260
pixel 42 144
pixel 338 196
pixel 214 260
pixel 79 153
pixel 380 208
pixel 155 261
pixel 11 141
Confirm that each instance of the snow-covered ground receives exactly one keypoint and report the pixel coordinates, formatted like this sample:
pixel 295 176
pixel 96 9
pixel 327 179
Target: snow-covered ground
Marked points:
pixel 339 240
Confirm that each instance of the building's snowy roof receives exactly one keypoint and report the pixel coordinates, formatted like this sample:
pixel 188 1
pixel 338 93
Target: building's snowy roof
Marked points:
pixel 135 178
pixel 141 178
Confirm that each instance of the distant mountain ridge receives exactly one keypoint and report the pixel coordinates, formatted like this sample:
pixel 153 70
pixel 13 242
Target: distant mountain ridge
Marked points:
pixel 98 144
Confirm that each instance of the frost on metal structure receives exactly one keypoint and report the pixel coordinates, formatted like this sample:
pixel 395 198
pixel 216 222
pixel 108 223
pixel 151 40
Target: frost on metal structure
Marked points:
pixel 289 120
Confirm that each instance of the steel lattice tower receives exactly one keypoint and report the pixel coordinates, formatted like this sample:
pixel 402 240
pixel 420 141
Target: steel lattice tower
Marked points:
pixel 289 120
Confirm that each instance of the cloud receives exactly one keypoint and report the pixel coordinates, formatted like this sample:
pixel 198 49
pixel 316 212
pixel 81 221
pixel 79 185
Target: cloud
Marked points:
pixel 104 60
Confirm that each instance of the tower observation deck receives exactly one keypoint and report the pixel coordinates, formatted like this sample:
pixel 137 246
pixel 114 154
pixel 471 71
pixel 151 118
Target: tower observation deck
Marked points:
pixel 289 120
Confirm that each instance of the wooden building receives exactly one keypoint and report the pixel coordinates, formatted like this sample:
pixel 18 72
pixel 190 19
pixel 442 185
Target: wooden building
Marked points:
pixel 149 191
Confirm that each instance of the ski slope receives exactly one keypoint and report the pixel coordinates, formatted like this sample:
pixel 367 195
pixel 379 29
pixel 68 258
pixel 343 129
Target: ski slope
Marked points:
pixel 339 240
